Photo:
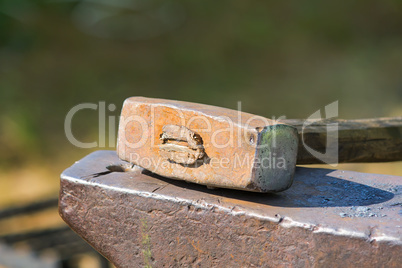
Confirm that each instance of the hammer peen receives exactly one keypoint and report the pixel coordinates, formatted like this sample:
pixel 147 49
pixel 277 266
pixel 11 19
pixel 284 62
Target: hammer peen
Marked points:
pixel 224 148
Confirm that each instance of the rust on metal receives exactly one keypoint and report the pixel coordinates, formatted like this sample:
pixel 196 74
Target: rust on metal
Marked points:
pixel 180 145
pixel 329 218
pixel 208 145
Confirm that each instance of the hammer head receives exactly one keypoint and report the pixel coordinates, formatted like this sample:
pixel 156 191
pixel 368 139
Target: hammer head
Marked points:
pixel 208 145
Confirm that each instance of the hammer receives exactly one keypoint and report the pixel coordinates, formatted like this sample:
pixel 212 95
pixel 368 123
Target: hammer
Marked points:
pixel 224 148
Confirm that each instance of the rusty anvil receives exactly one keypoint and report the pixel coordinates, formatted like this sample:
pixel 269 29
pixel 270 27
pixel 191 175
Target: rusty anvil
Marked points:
pixel 225 148
pixel 328 218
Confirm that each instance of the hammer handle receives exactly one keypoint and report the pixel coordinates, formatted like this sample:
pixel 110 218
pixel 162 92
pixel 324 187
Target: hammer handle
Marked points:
pixel 363 140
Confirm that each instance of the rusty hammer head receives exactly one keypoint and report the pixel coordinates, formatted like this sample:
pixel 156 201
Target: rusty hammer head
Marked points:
pixel 208 145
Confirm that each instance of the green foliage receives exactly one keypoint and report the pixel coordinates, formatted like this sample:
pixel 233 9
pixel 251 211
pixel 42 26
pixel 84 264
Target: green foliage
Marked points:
pixel 279 58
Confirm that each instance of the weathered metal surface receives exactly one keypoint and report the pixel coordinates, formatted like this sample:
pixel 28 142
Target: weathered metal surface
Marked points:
pixel 208 145
pixel 181 145
pixel 362 140
pixel 327 219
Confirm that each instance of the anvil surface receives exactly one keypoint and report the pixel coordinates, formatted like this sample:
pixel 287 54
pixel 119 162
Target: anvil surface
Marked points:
pixel 327 218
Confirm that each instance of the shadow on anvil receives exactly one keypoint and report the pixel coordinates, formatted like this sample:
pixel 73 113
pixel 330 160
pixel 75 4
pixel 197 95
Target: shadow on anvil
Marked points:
pixel 311 188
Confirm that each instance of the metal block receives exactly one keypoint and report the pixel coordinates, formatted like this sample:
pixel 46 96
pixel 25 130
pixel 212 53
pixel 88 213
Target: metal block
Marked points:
pixel 208 145
pixel 329 218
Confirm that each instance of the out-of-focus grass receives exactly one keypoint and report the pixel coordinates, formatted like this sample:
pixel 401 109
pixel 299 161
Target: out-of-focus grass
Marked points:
pixel 277 58
pixel 391 168
pixel 27 223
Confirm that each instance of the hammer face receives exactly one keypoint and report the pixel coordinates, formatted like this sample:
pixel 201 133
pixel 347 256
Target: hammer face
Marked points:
pixel 207 145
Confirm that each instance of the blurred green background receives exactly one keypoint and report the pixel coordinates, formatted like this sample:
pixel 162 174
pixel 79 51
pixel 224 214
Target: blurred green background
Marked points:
pixel 277 57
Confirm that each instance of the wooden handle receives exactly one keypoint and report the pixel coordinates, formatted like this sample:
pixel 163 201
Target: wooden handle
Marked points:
pixel 363 140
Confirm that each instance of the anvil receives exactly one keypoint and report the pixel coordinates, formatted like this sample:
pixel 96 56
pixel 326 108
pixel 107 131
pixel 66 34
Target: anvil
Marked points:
pixel 328 218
